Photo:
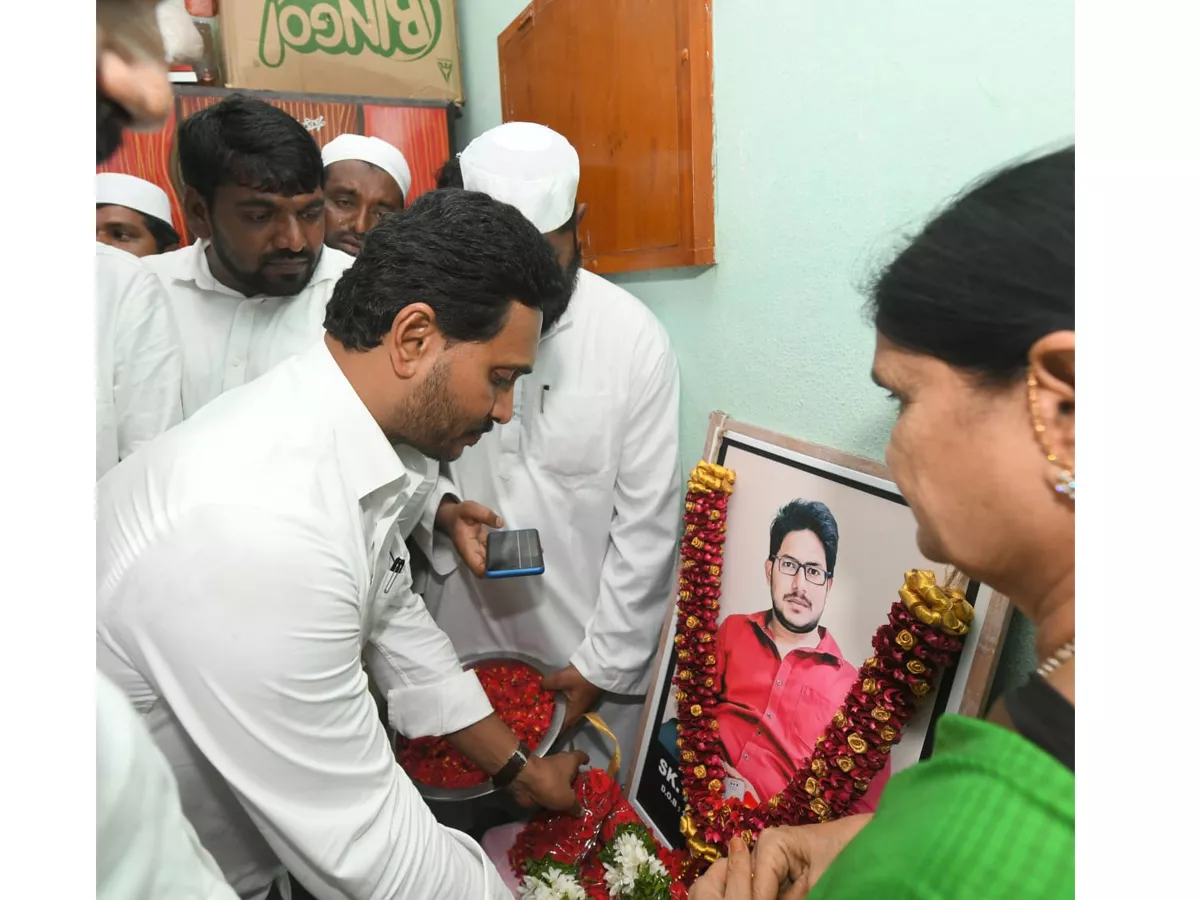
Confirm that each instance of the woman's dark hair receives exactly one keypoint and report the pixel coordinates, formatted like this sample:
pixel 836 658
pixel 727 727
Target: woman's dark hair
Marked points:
pixel 165 237
pixel 806 515
pixel 247 142
pixel 991 274
pixel 463 253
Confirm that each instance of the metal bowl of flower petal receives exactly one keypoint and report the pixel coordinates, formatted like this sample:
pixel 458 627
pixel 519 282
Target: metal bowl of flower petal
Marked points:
pixel 512 682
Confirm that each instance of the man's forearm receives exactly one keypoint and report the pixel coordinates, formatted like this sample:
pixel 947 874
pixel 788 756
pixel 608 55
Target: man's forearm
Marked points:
pixel 489 743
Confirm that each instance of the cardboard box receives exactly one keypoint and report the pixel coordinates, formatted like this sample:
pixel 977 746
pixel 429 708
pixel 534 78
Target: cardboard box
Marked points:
pixel 378 48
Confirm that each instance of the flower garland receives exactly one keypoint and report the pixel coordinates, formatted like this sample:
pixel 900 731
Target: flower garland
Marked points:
pixel 605 853
pixel 924 633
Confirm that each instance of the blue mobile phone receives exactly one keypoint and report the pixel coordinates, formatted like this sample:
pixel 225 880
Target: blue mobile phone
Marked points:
pixel 513 553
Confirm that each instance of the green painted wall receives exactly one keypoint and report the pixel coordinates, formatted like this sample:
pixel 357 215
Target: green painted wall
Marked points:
pixel 838 128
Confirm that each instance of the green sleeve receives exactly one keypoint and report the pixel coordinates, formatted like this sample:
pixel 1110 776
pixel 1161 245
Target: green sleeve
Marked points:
pixel 989 816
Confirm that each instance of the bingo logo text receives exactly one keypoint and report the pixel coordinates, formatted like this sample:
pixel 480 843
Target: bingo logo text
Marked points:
pixel 406 30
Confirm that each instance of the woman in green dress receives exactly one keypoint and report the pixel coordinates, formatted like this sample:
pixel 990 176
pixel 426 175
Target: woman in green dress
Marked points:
pixel 975 341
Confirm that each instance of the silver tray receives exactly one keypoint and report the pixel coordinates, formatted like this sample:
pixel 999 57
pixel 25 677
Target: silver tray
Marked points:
pixel 452 795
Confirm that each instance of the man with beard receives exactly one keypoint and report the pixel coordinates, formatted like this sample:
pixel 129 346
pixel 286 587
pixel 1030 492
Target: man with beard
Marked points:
pixel 251 292
pixel 250 558
pixel 590 459
pixel 365 179
pixel 780 674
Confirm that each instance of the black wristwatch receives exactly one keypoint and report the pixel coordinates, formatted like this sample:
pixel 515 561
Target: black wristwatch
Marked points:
pixel 511 769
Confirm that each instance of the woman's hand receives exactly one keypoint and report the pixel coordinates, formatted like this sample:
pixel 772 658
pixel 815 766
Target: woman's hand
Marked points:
pixel 785 864
pixel 727 879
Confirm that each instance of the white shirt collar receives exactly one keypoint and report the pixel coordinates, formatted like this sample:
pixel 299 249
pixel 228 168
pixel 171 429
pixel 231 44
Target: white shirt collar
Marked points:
pixel 365 455
pixel 193 267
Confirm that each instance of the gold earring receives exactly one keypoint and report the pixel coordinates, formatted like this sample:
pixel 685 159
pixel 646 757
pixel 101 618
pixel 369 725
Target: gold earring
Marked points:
pixel 1066 476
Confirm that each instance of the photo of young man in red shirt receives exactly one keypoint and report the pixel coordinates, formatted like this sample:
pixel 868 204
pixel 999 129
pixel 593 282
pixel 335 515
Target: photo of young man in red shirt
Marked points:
pixel 780 674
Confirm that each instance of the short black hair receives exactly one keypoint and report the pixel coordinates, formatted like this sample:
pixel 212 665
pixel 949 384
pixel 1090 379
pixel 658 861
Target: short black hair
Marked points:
pixel 807 515
pixel 165 236
pixel 450 174
pixel 990 275
pixel 248 142
pixel 466 255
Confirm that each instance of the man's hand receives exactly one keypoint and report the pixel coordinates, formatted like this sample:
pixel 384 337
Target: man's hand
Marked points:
pixel 466 523
pixel 549 782
pixel 581 694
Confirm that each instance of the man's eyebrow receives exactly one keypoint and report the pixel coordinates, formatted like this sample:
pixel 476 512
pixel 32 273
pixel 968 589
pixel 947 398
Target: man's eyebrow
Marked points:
pixel 802 563
pixel 255 204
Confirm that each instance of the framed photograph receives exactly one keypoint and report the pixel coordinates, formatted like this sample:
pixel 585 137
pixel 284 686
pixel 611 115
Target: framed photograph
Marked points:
pixel 816 548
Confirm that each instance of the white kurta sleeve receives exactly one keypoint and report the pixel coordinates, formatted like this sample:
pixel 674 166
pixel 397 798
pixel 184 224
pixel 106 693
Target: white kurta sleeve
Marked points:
pixel 636 578
pixel 147 365
pixel 415 666
pixel 259 659
pixel 145 848
pixel 437 548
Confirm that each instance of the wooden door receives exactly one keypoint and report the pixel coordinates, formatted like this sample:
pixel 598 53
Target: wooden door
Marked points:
pixel 629 83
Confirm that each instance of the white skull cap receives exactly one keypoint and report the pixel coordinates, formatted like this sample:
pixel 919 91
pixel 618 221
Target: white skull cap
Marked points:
pixel 373 150
pixel 133 193
pixel 530 166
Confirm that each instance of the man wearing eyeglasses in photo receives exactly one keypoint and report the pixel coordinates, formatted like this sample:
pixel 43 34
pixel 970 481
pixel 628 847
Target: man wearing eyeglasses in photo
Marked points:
pixel 780 674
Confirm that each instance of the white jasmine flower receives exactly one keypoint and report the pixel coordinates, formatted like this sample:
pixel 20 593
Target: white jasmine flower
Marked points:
pixel 532 888
pixel 630 853
pixel 555 885
pixel 565 887
pixel 619 880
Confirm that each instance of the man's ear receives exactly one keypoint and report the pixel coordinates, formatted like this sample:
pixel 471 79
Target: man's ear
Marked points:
pixel 197 214
pixel 413 339
pixel 580 212
pixel 767 567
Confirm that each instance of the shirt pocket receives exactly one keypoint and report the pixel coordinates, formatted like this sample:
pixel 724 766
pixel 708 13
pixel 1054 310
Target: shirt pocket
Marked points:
pixel 572 435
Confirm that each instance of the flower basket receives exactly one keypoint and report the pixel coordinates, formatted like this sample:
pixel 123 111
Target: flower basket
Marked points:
pixel 512 682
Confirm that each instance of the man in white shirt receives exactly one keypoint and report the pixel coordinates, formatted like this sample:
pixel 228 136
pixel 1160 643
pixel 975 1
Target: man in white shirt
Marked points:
pixel 251 292
pixel 365 179
pixel 250 558
pixel 145 848
pixel 590 459
pixel 139 366
pixel 133 215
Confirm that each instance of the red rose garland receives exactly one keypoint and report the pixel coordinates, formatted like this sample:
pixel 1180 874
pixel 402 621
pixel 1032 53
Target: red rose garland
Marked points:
pixel 923 635
pixel 515 692
pixel 578 845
